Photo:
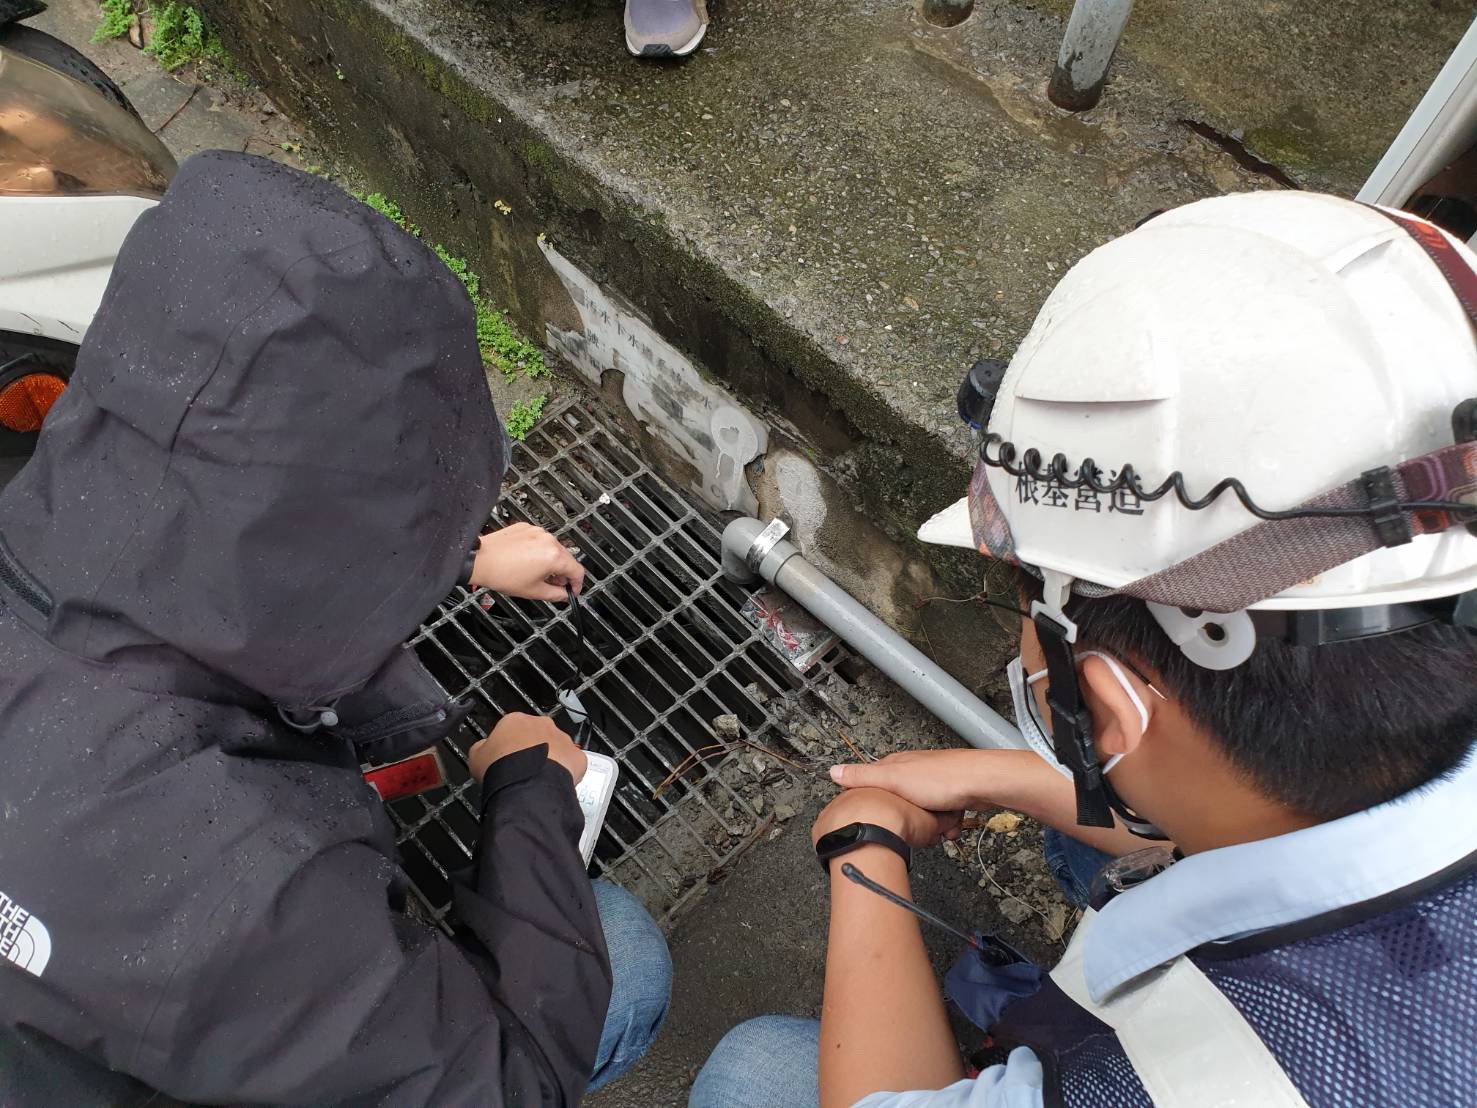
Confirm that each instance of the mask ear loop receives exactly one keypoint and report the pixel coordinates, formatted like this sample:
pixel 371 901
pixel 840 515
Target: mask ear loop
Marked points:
pixel 1133 693
pixel 1141 827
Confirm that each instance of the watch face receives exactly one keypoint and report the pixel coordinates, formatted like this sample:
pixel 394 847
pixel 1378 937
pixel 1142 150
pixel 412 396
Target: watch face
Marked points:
pixel 839 839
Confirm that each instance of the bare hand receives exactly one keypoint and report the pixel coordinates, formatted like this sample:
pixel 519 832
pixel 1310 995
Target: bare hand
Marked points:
pixel 515 732
pixel 526 561
pixel 939 780
pixel 914 825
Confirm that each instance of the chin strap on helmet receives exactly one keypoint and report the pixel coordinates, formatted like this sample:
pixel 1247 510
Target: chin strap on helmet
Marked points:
pixel 1071 722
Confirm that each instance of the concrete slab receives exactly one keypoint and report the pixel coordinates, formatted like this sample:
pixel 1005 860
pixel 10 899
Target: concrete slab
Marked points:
pixel 1318 90
pixel 158 97
pixel 187 112
pixel 209 120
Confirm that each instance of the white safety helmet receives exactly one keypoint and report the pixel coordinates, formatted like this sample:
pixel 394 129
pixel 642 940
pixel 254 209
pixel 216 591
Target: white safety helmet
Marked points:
pixel 1291 341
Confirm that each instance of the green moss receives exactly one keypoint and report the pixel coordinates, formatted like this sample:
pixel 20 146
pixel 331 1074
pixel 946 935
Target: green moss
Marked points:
pixel 1285 146
pixel 118 18
pixel 539 156
pixel 523 415
pixel 409 55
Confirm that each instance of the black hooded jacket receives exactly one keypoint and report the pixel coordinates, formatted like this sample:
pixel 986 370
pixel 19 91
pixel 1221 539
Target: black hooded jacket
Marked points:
pixel 276 452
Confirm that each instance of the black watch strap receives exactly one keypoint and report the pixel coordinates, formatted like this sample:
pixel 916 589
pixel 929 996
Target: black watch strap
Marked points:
pixel 843 840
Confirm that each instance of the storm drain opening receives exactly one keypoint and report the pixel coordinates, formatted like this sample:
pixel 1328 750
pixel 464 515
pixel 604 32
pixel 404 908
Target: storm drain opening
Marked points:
pixel 673 647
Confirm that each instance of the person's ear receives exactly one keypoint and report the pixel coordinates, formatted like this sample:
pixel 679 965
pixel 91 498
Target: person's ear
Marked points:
pixel 1121 707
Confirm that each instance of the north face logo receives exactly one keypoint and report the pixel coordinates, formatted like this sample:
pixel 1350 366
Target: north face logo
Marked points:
pixel 24 939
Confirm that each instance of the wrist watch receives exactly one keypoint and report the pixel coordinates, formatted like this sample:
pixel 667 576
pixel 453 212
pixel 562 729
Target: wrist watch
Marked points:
pixel 843 840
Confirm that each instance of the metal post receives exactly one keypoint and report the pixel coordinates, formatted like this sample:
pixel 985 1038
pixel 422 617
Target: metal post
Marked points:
pixel 1087 49
pixel 752 552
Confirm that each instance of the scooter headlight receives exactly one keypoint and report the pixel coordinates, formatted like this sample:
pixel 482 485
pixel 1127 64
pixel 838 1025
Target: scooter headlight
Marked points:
pixel 58 137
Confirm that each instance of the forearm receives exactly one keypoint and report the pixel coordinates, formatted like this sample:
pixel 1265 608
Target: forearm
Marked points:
pixel 531 905
pixel 1021 781
pixel 883 1024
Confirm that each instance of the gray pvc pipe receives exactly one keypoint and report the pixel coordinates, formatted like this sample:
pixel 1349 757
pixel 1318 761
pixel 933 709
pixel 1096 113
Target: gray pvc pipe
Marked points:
pixel 1082 65
pixel 782 566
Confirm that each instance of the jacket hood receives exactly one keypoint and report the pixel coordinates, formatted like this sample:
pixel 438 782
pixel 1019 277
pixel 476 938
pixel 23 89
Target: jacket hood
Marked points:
pixel 277 448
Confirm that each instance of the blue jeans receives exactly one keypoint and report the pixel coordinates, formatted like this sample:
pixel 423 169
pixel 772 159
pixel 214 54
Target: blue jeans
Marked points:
pixel 770 1062
pixel 641 970
pixel 1074 864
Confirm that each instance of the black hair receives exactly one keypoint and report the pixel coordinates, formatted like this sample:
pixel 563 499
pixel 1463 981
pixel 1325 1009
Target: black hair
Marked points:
pixel 1325 730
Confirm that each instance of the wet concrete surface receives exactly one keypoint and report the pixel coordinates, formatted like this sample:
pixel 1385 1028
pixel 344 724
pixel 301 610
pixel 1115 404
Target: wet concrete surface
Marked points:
pixel 1319 90
pixel 904 193
pixel 901 194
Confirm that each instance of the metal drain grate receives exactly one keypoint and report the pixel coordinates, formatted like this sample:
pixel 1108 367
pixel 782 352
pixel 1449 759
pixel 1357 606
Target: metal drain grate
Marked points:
pixel 672 652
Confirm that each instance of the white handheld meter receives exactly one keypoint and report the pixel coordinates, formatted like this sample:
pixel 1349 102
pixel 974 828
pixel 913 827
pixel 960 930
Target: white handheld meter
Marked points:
pixel 594 793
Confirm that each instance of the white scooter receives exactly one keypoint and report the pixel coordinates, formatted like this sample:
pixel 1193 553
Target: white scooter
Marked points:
pixel 77 168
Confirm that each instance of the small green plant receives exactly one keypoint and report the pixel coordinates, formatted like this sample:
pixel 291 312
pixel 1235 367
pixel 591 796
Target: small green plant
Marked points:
pixel 523 415
pixel 179 36
pixel 177 32
pixel 501 345
pixel 385 206
pixel 117 20
pixel 460 270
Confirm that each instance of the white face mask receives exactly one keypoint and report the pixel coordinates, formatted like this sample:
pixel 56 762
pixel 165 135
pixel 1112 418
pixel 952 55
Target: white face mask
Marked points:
pixel 1025 714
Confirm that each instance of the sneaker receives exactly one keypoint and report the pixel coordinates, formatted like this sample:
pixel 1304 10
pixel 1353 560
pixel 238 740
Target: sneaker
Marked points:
pixel 665 28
